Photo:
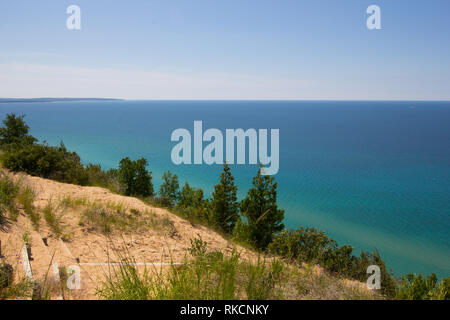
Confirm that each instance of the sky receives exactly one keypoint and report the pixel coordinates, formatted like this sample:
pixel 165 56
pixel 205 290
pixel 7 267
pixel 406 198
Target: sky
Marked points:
pixel 210 49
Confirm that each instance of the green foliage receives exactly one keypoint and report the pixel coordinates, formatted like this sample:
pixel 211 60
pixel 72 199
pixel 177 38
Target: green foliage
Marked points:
pixel 21 153
pixel 207 276
pixel 313 246
pixel 170 188
pixel 135 177
pixel 366 259
pixel 54 163
pixel 110 218
pixel 224 205
pixel 198 247
pixel 11 288
pixel 52 218
pixel 8 193
pixel 26 237
pixel 126 282
pixel 190 197
pixel 416 287
pixel 191 204
pixel 260 207
pixel 26 199
pixel 263 280
pixel 6 275
pixel 106 179
pixel 15 131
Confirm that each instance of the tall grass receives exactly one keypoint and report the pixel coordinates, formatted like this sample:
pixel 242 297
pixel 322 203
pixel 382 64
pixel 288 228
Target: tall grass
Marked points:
pixel 114 217
pixel 26 198
pixel 53 215
pixel 8 193
pixel 205 276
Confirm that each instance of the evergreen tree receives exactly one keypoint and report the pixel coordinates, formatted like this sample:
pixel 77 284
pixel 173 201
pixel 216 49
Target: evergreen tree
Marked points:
pixel 260 207
pixel 15 131
pixel 170 188
pixel 192 205
pixel 136 178
pixel 224 203
pixel 190 197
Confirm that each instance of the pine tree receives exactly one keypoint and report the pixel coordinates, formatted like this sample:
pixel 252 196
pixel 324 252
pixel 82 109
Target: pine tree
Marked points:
pixel 136 178
pixel 170 188
pixel 260 207
pixel 15 131
pixel 224 203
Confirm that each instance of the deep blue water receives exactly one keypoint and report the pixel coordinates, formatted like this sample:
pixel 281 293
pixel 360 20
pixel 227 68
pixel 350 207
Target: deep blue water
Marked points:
pixel 371 174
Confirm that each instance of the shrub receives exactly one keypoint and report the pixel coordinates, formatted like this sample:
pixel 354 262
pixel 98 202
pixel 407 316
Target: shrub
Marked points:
pixel 416 287
pixel 135 177
pixel 15 132
pixel 52 218
pixel 6 275
pixel 192 206
pixel 170 188
pixel 106 179
pixel 263 279
pixel 47 162
pixel 8 193
pixel 313 246
pixel 26 199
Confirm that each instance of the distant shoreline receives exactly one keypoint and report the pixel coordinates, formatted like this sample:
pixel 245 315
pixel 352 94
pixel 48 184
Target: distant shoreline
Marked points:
pixel 12 100
pixel 49 99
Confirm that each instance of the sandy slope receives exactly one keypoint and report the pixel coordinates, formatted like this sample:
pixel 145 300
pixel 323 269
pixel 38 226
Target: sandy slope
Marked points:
pixel 84 247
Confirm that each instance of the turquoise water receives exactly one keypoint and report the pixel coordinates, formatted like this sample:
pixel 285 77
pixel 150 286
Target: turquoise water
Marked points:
pixel 371 174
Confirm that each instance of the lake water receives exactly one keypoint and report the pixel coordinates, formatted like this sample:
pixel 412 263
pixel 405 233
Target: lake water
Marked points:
pixel 370 174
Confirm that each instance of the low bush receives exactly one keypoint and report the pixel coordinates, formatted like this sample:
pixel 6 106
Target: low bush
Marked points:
pixel 45 161
pixel 416 287
pixel 26 199
pixel 8 193
pixel 53 215
pixel 193 206
pixel 313 246
pixel 107 219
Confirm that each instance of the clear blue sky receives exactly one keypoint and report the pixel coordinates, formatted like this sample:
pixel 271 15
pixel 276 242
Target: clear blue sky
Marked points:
pixel 212 49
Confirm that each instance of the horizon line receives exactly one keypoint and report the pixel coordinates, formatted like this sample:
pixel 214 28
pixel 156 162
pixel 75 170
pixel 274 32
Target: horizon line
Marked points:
pixel 254 99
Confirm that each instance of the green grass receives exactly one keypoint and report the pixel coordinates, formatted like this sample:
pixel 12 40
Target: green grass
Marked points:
pixel 8 193
pixel 26 198
pixel 210 275
pixel 114 217
pixel 20 289
pixel 68 202
pixel 205 276
pixel 11 286
pixel 53 215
